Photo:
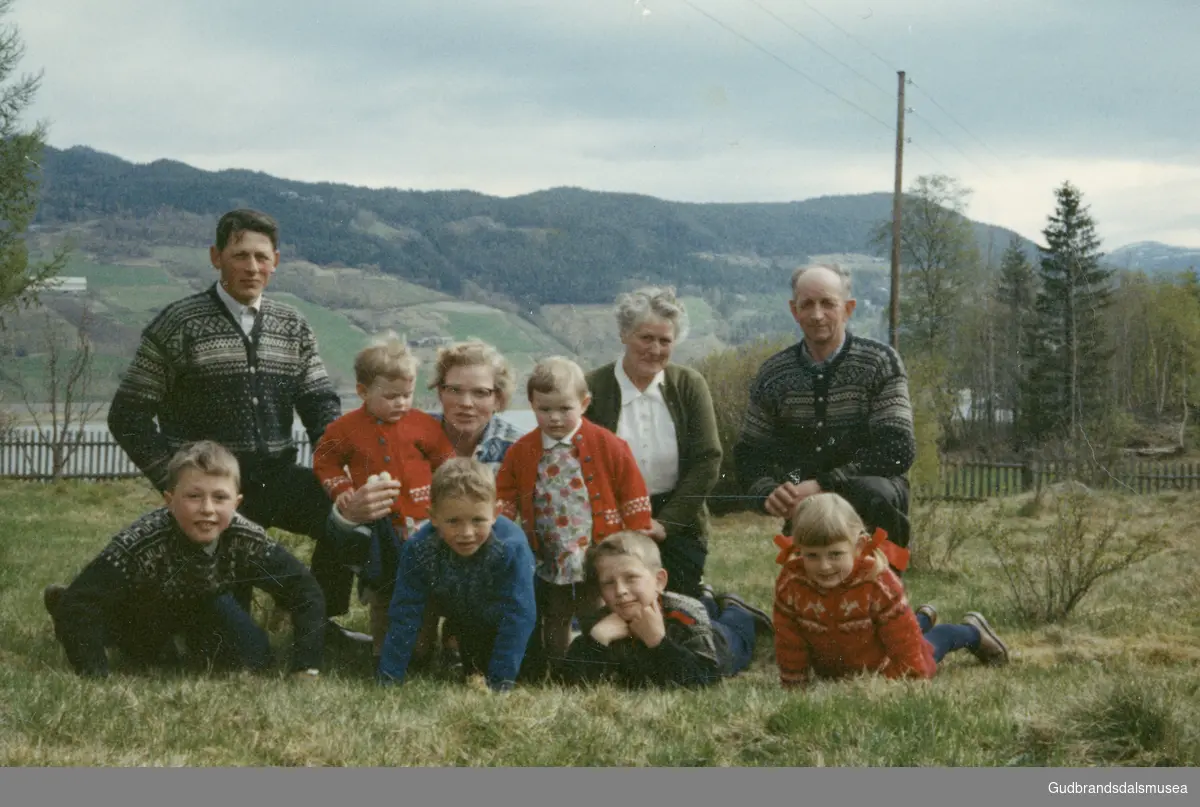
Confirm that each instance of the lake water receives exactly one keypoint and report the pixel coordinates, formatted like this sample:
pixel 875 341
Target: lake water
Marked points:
pixel 96 458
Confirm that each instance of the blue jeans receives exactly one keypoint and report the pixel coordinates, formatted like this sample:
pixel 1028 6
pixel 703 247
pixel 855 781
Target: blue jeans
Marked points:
pixel 736 625
pixel 947 638
pixel 218 632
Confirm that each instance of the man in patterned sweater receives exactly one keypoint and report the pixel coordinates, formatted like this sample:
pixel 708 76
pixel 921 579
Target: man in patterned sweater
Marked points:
pixel 831 413
pixel 230 365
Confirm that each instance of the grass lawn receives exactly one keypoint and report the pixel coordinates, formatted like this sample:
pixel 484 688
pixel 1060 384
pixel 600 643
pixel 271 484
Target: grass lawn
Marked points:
pixel 1116 684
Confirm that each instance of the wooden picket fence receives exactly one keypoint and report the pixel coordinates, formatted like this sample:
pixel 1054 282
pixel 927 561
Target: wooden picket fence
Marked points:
pixel 28 454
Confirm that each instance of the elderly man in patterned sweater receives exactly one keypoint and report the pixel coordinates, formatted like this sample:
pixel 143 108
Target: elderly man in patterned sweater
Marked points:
pixel 831 413
pixel 231 365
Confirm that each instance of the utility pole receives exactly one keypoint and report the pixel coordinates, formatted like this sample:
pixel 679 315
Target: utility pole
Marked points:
pixel 894 313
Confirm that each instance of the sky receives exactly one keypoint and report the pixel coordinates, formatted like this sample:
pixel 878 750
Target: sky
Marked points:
pixel 689 100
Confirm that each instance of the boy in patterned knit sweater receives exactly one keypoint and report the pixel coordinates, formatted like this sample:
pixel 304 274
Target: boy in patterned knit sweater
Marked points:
pixel 171 573
pixel 648 636
pixel 840 610
pixel 571 483
pixel 471 566
pixel 385 436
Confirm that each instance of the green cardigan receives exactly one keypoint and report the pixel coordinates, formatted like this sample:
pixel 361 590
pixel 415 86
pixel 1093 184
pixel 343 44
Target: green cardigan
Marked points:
pixel 690 404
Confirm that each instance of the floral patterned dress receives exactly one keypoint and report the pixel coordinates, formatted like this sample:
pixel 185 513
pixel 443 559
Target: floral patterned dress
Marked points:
pixel 563 516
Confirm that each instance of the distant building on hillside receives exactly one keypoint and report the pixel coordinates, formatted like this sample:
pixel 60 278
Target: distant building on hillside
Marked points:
pixel 66 285
pixel 430 341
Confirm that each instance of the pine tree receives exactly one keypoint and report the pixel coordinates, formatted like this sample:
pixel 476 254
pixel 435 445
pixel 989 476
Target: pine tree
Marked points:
pixel 20 150
pixel 1064 390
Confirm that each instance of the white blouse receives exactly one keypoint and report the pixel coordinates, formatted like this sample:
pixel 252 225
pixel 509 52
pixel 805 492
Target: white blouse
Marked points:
pixel 645 424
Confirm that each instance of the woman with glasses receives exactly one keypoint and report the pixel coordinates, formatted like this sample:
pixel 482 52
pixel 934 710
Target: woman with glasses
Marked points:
pixel 474 384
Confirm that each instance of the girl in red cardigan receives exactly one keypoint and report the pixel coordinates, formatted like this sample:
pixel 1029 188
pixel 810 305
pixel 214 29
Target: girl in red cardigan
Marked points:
pixel 570 484
pixel 840 610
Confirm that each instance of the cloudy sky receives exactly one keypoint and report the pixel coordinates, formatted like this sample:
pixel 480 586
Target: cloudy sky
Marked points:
pixel 695 100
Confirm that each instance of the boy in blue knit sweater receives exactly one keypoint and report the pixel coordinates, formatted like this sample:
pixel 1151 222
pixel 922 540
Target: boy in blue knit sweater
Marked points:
pixel 471 566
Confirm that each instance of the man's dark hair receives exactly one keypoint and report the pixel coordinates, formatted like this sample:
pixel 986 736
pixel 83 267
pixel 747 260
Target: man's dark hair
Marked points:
pixel 243 220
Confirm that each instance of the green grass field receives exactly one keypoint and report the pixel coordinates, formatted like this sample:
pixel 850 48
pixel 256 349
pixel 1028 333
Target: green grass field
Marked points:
pixel 1117 684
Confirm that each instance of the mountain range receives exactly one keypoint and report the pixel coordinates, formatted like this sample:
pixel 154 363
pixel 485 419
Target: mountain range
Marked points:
pixel 533 274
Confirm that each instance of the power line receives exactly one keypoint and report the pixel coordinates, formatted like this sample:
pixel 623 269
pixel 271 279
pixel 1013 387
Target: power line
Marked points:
pixel 818 12
pixel 954 120
pixel 937 132
pixel 817 45
pixel 924 92
pixel 786 64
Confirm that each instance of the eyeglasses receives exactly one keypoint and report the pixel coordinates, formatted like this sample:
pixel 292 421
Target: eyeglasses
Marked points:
pixel 478 394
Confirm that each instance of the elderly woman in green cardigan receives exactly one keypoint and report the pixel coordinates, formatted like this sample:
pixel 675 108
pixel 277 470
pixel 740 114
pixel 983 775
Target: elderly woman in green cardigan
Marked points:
pixel 665 412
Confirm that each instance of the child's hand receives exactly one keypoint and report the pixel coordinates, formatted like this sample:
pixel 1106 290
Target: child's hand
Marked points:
pixel 610 629
pixel 657 531
pixel 648 625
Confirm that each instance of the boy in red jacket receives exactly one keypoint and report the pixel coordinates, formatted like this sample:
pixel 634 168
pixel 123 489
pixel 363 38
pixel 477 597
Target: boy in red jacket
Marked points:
pixel 569 483
pixel 840 610
pixel 384 436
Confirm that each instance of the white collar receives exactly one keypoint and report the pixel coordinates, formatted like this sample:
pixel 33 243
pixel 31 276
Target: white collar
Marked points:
pixel 629 390
pixel 236 307
pixel 830 357
pixel 549 442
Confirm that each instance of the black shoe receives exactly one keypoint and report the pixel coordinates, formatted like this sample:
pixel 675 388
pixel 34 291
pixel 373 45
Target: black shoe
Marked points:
pixel 51 594
pixel 336 635
pixel 762 620
pixel 452 663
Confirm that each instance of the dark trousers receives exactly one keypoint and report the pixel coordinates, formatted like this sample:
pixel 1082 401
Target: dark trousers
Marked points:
pixel 218 633
pixel 475 644
pixel 557 604
pixel 947 638
pixel 881 502
pixel 290 497
pixel 683 553
pixel 736 626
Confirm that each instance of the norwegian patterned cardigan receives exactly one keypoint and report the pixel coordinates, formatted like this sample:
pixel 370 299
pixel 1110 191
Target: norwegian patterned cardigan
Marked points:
pixel 152 567
pixel 202 377
pixel 846 418
pixel 861 626
pixel 357 445
pixel 614 483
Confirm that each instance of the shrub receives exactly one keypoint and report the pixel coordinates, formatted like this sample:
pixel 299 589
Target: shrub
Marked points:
pixel 729 374
pixel 1048 577
pixel 939 530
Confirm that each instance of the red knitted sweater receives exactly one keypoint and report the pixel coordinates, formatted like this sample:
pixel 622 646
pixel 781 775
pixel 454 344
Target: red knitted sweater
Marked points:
pixel 863 625
pixel 614 484
pixel 357 445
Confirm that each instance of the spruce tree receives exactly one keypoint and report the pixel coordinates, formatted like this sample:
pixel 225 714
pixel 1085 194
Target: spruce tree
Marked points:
pixel 1065 386
pixel 1016 293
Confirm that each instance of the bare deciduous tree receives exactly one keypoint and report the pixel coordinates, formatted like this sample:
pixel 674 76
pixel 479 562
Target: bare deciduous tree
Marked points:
pixel 58 402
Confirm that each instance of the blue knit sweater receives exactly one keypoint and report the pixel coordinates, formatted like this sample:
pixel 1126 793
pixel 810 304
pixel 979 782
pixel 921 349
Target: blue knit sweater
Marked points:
pixel 492 590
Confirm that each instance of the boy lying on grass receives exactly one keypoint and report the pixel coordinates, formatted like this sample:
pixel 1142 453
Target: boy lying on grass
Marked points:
pixel 840 610
pixel 170 574
pixel 647 636
pixel 471 566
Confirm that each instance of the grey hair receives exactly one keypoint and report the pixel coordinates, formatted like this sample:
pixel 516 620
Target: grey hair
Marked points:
pixel 842 274
pixel 634 308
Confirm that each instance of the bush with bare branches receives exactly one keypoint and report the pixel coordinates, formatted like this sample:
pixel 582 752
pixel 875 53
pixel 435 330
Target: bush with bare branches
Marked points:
pixel 1047 577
